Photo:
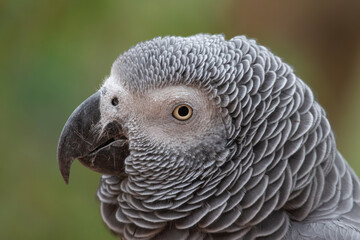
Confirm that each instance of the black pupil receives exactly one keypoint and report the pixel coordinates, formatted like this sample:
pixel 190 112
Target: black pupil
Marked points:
pixel 183 111
pixel 115 101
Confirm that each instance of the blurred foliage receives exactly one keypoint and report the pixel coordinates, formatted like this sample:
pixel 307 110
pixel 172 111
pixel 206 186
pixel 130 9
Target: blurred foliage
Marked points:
pixel 53 54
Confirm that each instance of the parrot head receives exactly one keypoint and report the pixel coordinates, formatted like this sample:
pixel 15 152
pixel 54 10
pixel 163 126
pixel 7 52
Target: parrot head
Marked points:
pixel 153 121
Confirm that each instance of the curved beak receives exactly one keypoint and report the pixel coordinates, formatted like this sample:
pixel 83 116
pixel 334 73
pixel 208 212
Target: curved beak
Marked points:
pixel 101 148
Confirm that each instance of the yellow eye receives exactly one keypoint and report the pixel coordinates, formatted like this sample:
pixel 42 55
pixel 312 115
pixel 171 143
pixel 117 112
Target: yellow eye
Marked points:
pixel 182 112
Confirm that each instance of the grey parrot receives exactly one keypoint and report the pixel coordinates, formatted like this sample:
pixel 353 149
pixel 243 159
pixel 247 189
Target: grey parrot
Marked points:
pixel 206 138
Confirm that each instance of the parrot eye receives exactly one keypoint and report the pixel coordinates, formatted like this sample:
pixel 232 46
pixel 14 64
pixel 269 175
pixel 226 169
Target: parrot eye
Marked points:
pixel 182 112
pixel 115 101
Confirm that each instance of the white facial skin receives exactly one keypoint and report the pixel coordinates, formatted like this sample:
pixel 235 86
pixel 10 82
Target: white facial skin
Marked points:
pixel 153 112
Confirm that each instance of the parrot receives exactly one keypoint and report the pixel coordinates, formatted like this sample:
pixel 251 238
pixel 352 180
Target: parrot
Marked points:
pixel 200 137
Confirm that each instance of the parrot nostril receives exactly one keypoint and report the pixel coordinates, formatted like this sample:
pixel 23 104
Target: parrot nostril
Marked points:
pixel 115 101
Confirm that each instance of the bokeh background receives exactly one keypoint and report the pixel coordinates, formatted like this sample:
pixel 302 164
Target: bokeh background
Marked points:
pixel 53 54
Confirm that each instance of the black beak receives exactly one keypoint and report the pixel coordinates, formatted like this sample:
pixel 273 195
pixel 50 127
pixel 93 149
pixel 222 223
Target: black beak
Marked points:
pixel 101 148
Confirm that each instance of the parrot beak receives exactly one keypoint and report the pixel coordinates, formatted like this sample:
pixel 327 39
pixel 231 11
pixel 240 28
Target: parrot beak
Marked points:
pixel 100 148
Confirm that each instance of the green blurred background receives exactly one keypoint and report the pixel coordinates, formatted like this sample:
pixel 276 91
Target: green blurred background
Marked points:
pixel 53 54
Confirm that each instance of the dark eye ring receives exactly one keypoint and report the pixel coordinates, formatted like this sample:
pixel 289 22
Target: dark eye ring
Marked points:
pixel 182 112
pixel 115 101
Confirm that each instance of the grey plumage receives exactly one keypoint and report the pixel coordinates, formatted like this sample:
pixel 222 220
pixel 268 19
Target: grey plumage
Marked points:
pixel 270 170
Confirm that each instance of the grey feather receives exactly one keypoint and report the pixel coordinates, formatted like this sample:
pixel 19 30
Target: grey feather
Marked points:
pixel 277 173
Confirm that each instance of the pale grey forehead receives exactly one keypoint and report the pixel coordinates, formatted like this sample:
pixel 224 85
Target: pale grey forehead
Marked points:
pixel 195 60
